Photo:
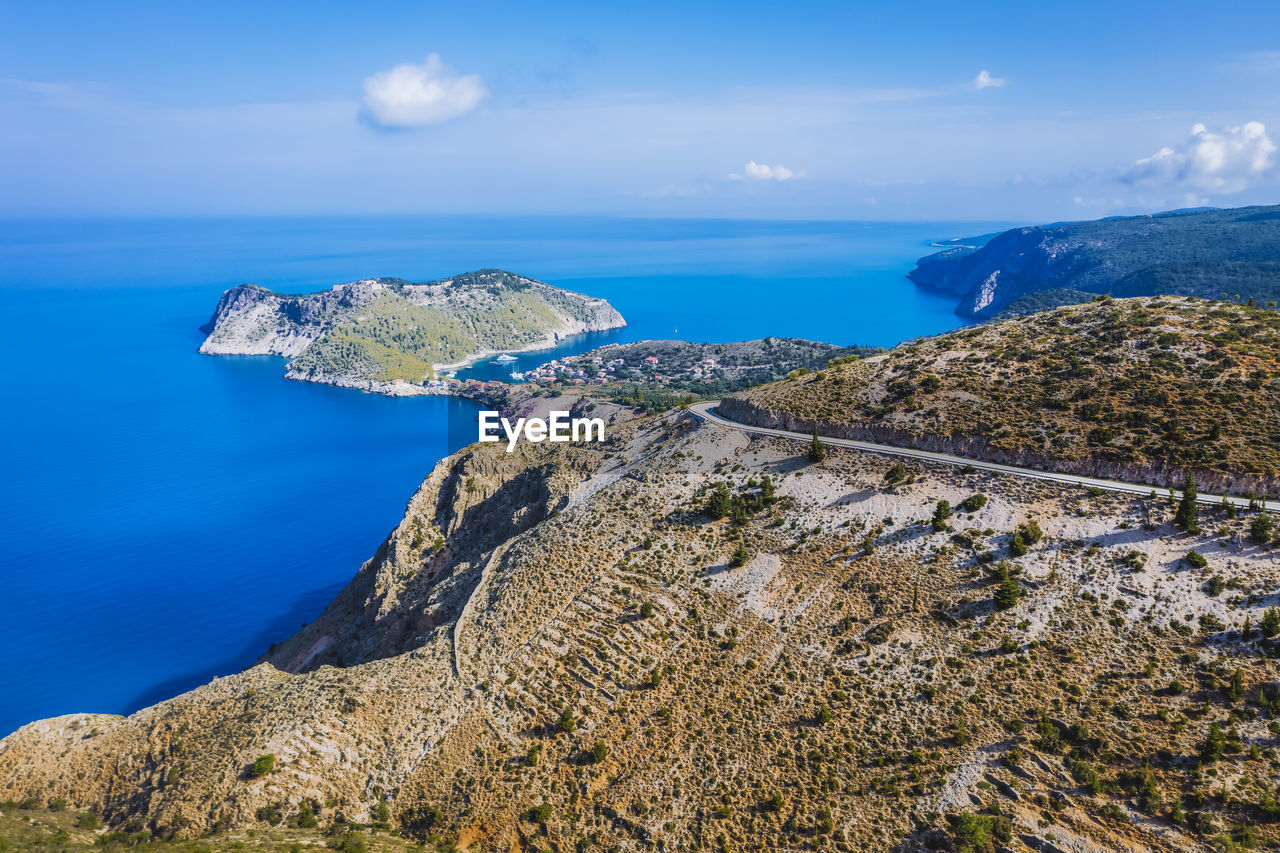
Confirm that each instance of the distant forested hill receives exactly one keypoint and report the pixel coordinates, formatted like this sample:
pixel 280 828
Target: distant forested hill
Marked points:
pixel 1203 253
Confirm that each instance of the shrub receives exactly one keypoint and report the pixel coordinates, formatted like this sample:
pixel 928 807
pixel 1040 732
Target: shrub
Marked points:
pixel 353 842
pixel 539 814
pixel 264 765
pixel 940 515
pixel 566 723
pixel 1260 528
pixel 980 833
pixel 1214 744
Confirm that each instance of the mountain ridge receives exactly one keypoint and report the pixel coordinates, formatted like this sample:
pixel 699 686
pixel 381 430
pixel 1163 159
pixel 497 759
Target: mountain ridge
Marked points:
pixel 1196 252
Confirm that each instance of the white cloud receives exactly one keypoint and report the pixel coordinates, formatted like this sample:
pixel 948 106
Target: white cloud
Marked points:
pixel 1225 162
pixel 984 80
pixel 418 95
pixel 760 172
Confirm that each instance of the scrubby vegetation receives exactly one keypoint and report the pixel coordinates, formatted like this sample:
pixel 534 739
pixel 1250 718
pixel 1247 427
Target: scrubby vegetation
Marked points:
pixel 1154 381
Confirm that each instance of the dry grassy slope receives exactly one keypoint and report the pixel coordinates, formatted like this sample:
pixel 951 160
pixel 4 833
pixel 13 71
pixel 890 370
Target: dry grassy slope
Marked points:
pixel 459 662
pixel 1142 389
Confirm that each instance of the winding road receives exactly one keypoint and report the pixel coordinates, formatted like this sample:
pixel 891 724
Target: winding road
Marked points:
pixel 706 411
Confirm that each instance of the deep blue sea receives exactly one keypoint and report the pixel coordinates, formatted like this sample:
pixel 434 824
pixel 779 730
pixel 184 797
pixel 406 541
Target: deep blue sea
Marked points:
pixel 167 515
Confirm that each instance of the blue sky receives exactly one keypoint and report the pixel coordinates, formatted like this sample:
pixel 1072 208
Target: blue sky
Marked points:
pixel 1020 111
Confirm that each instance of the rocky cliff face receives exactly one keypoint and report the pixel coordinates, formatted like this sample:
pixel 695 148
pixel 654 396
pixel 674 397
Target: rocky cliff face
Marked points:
pixel 1189 253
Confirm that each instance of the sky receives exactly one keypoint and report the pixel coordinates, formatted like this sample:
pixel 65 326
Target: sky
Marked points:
pixel 871 111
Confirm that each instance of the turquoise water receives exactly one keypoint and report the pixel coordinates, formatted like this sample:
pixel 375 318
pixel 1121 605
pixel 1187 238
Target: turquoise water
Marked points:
pixel 168 515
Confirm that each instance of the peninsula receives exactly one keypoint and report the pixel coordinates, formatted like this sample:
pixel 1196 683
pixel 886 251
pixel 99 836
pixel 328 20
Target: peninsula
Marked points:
pixel 391 336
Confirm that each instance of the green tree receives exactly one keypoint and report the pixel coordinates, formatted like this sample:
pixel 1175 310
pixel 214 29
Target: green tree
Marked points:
pixel 1271 622
pixel 1214 744
pixel 817 450
pixel 264 765
pixel 1017 544
pixel 1009 590
pixel 1260 528
pixel 1187 516
pixel 941 513
pixel 1235 688
pixel 979 833
pixel 719 501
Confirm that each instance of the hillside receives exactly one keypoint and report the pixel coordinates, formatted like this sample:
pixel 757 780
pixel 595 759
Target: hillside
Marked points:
pixel 389 335
pixel 565 648
pixel 707 370
pixel 1143 390
pixel 1203 253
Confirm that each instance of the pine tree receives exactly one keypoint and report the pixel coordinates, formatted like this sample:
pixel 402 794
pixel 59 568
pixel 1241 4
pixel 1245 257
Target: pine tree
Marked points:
pixel 766 490
pixel 1235 690
pixel 719 501
pixel 1271 622
pixel 817 450
pixel 1008 592
pixel 1188 512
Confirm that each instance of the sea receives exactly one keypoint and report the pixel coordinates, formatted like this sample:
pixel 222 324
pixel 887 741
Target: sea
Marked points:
pixel 165 516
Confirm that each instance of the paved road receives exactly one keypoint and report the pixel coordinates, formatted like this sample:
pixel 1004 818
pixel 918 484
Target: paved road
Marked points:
pixel 706 411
